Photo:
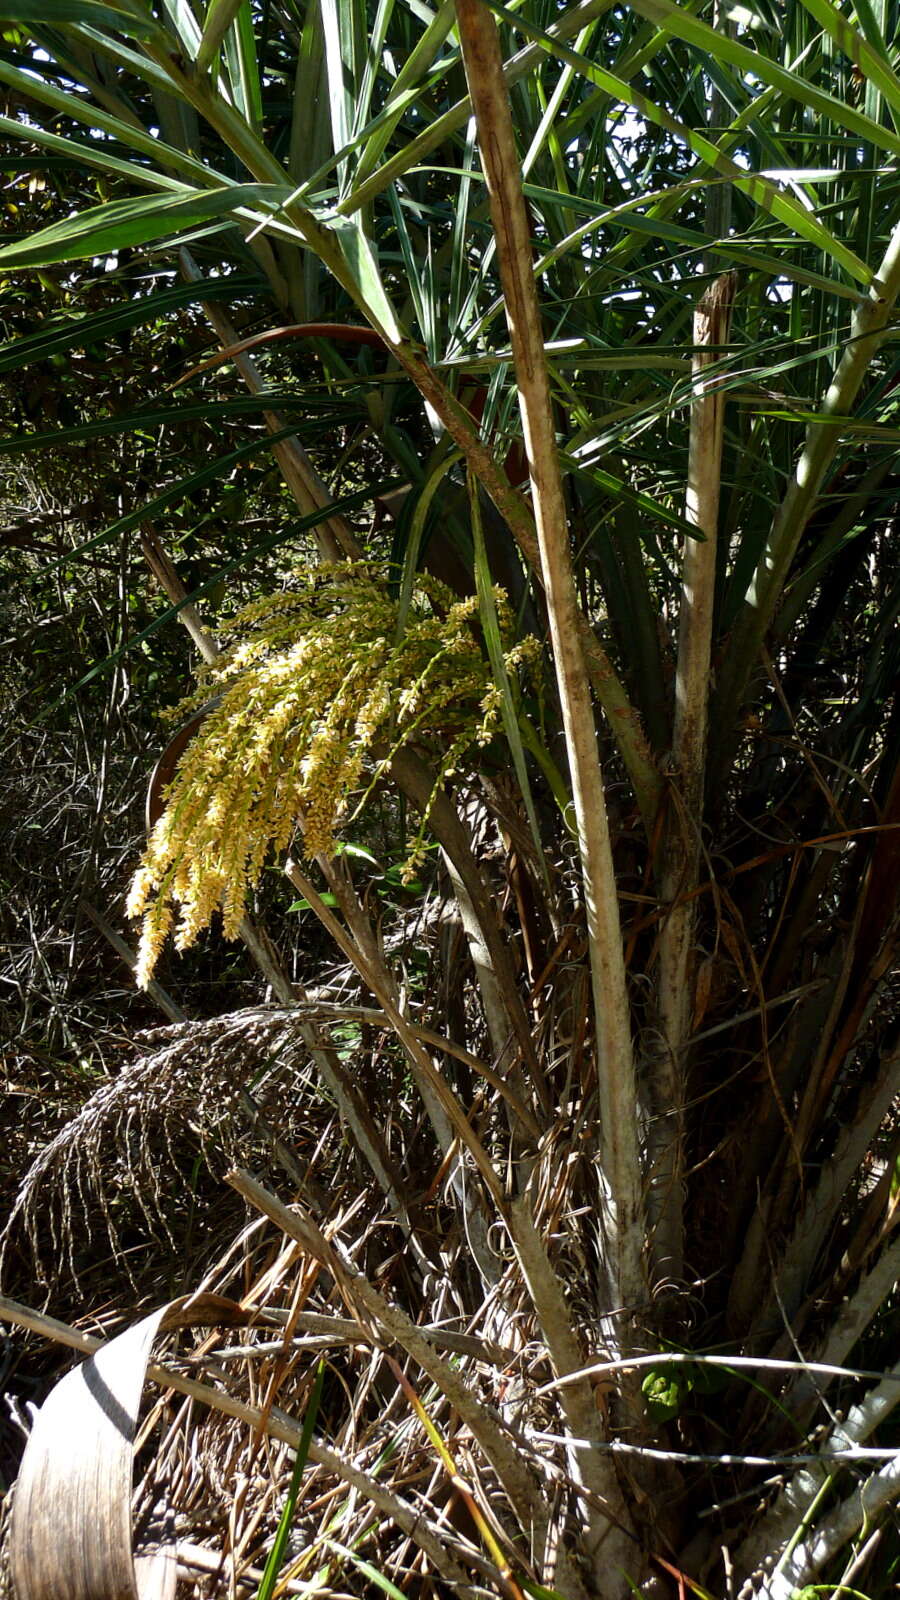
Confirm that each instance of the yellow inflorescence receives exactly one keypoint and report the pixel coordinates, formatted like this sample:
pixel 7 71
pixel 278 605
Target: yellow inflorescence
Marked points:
pixel 318 680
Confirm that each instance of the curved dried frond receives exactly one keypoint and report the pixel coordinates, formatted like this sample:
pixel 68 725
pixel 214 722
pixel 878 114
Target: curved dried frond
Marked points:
pixel 127 1136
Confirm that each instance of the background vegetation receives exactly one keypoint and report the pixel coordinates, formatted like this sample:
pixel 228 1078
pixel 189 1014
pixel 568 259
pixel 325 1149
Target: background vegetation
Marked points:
pixel 610 1081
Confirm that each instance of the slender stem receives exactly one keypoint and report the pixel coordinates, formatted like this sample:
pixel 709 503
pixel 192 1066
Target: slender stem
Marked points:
pixel 619 1156
pixel 682 854
pixel 380 984
pixel 387 1319
pixel 608 687
pixel 489 952
pixel 608 1538
pixel 432 138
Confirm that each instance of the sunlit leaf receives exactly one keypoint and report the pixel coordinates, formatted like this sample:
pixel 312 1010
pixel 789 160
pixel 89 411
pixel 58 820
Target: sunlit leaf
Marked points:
pixel 124 223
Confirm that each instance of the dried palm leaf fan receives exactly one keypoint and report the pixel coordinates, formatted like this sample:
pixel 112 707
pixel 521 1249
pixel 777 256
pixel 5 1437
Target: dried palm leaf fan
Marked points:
pixel 71 1522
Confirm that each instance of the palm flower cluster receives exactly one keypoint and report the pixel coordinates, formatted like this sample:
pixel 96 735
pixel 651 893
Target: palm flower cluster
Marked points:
pixel 318 683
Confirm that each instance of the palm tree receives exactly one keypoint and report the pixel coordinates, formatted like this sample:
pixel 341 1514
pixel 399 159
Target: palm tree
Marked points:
pixel 596 303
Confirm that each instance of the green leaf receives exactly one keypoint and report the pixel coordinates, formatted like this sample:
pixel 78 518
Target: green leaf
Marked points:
pixel 408 85
pixel 126 19
pixel 487 611
pixel 360 258
pixel 744 250
pixel 414 150
pixel 75 332
pixel 336 22
pixel 220 14
pixel 127 135
pixel 758 189
pixel 665 1390
pixel 873 62
pixel 367 1569
pixel 351 502
pixel 720 47
pixel 622 493
pixel 279 1544
pixel 220 467
pixel 122 223
pixel 162 416
pixel 345 848
pixel 243 68
pixel 420 515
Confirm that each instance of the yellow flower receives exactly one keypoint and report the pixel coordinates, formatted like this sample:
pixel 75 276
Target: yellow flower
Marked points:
pixel 311 680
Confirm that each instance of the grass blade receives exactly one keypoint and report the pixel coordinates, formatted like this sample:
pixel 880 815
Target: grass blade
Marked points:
pixel 276 1554
pixel 54 11
pixel 367 1570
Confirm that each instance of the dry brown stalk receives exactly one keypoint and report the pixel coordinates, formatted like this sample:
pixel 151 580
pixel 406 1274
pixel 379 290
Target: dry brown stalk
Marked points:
pixel 365 1301
pixel 375 976
pixel 608 1536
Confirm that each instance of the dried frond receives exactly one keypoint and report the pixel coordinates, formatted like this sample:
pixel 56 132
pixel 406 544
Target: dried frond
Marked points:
pixel 126 1137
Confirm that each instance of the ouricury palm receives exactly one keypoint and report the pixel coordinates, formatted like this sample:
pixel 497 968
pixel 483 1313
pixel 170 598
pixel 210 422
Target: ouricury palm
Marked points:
pixel 594 304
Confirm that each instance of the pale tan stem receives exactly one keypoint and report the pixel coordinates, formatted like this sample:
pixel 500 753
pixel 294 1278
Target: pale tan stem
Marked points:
pixel 607 1540
pixel 620 1175
pixel 166 575
pixel 390 1323
pixel 337 876
pixel 623 719
pixel 504 1010
pixel 712 320
pixel 712 326
pixel 155 991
